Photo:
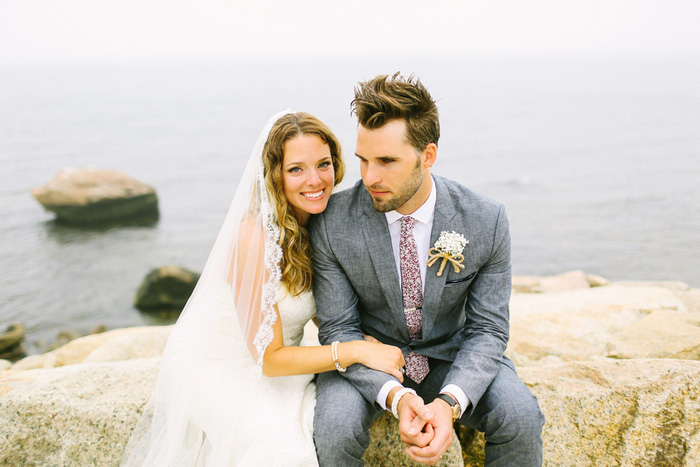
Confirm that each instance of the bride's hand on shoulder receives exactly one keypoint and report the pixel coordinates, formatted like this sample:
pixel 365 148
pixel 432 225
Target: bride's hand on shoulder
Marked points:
pixel 373 354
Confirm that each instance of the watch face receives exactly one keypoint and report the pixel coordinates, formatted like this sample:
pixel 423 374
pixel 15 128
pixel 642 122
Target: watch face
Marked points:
pixel 455 412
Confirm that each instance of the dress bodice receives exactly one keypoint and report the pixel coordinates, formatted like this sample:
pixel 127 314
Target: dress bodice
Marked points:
pixel 295 312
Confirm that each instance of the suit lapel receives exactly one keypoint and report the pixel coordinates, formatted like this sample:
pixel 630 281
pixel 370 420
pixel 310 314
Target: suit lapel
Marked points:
pixel 434 285
pixel 378 240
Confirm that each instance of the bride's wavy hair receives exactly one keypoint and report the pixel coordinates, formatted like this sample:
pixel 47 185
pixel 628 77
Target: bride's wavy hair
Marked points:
pixel 297 270
pixel 386 98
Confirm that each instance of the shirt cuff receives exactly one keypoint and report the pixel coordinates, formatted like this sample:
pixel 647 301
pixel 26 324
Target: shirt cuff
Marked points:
pixel 384 391
pixel 459 395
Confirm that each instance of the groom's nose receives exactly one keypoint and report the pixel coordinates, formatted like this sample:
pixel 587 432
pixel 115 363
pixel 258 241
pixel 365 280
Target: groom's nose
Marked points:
pixel 371 175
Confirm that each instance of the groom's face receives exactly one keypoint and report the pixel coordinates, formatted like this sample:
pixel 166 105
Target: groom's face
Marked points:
pixel 392 170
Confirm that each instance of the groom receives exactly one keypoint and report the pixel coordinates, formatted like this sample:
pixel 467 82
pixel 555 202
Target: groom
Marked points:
pixel 450 318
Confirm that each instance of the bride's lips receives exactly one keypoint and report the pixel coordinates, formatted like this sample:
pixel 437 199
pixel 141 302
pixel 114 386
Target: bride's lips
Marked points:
pixel 313 195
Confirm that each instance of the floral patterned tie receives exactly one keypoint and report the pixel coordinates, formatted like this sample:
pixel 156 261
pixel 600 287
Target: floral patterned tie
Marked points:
pixel 416 365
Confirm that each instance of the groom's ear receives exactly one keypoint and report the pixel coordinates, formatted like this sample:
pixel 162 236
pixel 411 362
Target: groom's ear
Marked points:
pixel 429 155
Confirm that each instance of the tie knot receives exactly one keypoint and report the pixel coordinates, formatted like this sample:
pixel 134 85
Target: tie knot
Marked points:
pixel 407 223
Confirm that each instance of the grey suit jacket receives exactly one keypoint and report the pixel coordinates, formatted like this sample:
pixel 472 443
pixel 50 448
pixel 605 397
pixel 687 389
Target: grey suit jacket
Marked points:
pixel 465 314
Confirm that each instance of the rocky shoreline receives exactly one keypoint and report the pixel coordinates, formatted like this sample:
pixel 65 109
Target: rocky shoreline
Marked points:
pixel 615 366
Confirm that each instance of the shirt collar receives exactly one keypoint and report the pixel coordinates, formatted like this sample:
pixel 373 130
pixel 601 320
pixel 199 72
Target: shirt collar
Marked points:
pixel 422 214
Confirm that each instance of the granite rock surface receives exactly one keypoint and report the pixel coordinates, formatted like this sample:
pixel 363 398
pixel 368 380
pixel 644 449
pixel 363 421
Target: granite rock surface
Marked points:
pixel 615 368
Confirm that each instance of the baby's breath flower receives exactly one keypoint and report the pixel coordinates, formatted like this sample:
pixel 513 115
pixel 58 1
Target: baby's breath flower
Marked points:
pixel 451 243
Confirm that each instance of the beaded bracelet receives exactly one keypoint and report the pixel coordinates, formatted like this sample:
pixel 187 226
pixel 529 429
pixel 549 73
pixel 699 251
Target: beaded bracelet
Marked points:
pixel 334 354
pixel 397 397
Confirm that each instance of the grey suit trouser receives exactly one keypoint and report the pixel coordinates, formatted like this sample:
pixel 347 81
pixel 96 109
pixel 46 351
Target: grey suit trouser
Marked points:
pixel 507 413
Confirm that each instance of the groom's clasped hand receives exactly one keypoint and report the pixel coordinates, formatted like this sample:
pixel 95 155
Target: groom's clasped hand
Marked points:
pixel 426 429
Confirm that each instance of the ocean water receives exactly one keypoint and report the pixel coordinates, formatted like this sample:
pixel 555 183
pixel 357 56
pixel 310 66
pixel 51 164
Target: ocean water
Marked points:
pixel 596 160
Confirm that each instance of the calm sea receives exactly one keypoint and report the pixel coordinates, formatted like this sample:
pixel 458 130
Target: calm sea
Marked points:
pixel 597 161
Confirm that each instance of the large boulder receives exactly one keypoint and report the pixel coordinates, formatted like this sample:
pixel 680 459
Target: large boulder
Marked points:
pixel 627 321
pixel 88 195
pixel 83 414
pixel 166 288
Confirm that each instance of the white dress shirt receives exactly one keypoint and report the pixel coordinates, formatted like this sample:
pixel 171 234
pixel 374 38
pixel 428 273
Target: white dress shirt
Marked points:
pixel 424 216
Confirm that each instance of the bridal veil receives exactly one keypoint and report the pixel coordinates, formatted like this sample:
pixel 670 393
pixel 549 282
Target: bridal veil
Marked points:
pixel 214 354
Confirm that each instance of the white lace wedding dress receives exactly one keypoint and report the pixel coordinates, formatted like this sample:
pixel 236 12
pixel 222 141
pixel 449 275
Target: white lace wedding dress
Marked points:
pixel 211 405
pixel 274 426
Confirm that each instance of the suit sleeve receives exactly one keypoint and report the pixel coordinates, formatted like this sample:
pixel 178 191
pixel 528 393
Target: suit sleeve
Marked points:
pixel 485 333
pixel 337 308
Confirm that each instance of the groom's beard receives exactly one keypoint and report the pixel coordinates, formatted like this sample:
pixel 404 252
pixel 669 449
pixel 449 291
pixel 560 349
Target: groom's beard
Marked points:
pixel 408 189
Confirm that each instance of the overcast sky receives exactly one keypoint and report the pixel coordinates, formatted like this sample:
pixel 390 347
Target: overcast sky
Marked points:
pixel 84 31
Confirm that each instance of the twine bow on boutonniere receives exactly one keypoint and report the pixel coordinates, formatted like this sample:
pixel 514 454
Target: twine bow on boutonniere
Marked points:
pixel 449 247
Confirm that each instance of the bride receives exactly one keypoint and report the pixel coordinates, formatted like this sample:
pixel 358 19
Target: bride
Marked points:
pixel 235 386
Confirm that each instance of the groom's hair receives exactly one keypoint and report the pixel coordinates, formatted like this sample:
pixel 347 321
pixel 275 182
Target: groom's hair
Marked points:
pixel 385 98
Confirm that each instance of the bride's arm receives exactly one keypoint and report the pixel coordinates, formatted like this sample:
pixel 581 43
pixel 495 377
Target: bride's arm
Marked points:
pixel 281 360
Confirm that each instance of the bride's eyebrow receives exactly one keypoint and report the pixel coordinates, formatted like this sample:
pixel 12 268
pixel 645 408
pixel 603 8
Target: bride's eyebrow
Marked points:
pixel 296 163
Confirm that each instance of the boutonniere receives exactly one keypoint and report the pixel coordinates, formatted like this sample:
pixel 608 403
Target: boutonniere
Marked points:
pixel 449 247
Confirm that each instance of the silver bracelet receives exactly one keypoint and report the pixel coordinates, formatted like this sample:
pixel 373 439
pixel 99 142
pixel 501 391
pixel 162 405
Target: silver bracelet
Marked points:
pixel 397 397
pixel 334 354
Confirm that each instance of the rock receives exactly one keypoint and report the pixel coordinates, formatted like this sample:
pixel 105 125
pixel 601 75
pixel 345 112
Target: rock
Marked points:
pixel 13 335
pixel 663 334
pixel 628 412
pixel 119 344
pixel 691 299
pixel 12 342
pixel 387 450
pixel 100 328
pixel 5 365
pixel 88 195
pixel 597 281
pixel 571 280
pixel 146 342
pixel 83 414
pixel 525 284
pixel 75 415
pixel 33 362
pixel 598 323
pixel 167 287
pixel 62 338
pixel 689 296
pixel 673 286
pixel 472 442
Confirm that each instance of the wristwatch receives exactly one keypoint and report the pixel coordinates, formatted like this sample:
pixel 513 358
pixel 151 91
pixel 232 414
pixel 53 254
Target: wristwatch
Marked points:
pixel 456 409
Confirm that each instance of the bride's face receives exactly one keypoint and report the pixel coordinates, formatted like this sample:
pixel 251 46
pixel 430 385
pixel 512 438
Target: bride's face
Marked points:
pixel 308 175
